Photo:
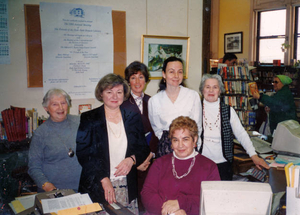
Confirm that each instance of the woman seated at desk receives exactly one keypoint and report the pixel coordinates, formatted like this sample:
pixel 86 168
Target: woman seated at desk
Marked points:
pixel 173 182
pixel 110 143
pixel 52 160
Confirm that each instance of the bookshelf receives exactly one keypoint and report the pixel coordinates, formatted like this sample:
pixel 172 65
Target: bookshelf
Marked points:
pixel 236 80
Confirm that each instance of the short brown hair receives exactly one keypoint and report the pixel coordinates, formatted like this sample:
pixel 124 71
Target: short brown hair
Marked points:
pixel 134 68
pixel 110 81
pixel 184 122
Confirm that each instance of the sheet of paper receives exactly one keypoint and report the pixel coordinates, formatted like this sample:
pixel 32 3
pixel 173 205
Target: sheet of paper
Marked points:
pixel 27 201
pixel 17 206
pixel 77 42
pixel 81 209
pixel 70 201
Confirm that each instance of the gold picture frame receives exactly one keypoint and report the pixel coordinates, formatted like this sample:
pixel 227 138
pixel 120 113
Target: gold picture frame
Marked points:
pixel 155 49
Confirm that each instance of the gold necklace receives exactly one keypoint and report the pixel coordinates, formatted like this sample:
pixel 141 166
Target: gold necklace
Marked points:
pixel 209 125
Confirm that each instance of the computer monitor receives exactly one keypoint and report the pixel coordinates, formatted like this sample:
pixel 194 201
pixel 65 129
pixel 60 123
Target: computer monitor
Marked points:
pixel 287 138
pixel 235 198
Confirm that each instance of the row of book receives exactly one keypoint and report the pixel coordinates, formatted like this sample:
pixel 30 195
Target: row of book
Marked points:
pixel 237 102
pixel 247 117
pixel 236 87
pixel 234 72
pixel 18 123
pixel 14 123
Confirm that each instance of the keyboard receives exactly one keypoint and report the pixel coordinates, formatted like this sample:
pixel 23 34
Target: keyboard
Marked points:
pixel 261 146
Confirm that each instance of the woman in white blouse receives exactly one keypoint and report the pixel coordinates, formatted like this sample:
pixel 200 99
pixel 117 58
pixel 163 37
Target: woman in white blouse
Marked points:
pixel 172 100
pixel 220 121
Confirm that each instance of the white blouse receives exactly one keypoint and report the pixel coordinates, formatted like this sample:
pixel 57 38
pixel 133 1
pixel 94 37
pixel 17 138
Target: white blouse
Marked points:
pixel 162 111
pixel 117 141
pixel 212 143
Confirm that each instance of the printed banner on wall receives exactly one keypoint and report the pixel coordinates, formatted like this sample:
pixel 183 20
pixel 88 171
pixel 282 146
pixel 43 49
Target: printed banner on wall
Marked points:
pixel 77 43
pixel 4 33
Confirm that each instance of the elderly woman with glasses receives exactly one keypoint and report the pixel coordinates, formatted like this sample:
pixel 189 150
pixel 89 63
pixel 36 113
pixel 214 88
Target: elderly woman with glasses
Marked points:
pixel 52 160
pixel 281 105
pixel 111 143
pixel 173 183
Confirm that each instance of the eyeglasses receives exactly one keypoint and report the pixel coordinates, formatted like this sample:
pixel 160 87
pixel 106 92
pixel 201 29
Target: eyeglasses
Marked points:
pixel 275 82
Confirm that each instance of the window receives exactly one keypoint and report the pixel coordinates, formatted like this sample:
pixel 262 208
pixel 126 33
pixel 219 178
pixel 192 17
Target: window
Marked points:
pixel 271 28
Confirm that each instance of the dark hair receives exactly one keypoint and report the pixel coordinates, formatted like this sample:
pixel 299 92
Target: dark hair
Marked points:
pixel 162 84
pixel 134 68
pixel 56 92
pixel 229 56
pixel 184 123
pixel 110 81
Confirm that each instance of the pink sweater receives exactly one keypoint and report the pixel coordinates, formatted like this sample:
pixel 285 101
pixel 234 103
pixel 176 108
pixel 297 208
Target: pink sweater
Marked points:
pixel 161 185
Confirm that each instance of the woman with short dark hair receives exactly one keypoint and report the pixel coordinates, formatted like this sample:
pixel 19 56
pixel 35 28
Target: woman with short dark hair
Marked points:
pixel 137 75
pixel 110 144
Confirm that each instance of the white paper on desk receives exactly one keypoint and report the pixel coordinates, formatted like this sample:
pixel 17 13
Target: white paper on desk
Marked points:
pixel 27 201
pixel 70 201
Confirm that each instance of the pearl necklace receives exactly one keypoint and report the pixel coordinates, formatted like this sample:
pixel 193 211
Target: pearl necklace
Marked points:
pixel 209 125
pixel 185 174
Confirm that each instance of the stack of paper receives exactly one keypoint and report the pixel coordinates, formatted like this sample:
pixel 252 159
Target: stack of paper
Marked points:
pixel 22 203
pixel 70 201
pixel 292 173
pixel 293 195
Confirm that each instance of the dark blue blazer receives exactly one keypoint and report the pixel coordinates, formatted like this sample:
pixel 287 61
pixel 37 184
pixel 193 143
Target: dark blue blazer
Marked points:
pixel 93 151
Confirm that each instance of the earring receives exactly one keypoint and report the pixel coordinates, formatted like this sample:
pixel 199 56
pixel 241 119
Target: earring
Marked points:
pixel 164 80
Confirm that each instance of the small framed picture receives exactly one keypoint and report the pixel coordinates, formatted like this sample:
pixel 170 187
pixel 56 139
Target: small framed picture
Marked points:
pixel 156 49
pixel 233 42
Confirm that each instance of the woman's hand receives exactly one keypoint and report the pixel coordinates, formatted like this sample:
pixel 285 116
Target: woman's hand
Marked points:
pixel 49 187
pixel 125 166
pixel 170 206
pixel 109 191
pixel 180 212
pixel 259 162
pixel 144 166
pixel 256 95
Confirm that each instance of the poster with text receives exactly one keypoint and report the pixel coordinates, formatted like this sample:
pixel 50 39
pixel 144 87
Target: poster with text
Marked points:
pixel 77 42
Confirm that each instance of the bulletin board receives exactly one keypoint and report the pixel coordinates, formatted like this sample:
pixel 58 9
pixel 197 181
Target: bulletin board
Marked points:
pixel 34 44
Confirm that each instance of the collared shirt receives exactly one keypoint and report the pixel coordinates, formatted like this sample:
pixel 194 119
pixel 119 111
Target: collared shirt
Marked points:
pixel 138 100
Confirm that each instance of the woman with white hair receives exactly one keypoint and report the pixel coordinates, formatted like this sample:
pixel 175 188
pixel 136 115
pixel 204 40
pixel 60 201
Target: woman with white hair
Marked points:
pixel 220 123
pixel 52 161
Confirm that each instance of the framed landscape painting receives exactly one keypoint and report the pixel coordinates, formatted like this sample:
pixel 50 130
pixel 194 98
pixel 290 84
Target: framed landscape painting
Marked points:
pixel 233 42
pixel 156 49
